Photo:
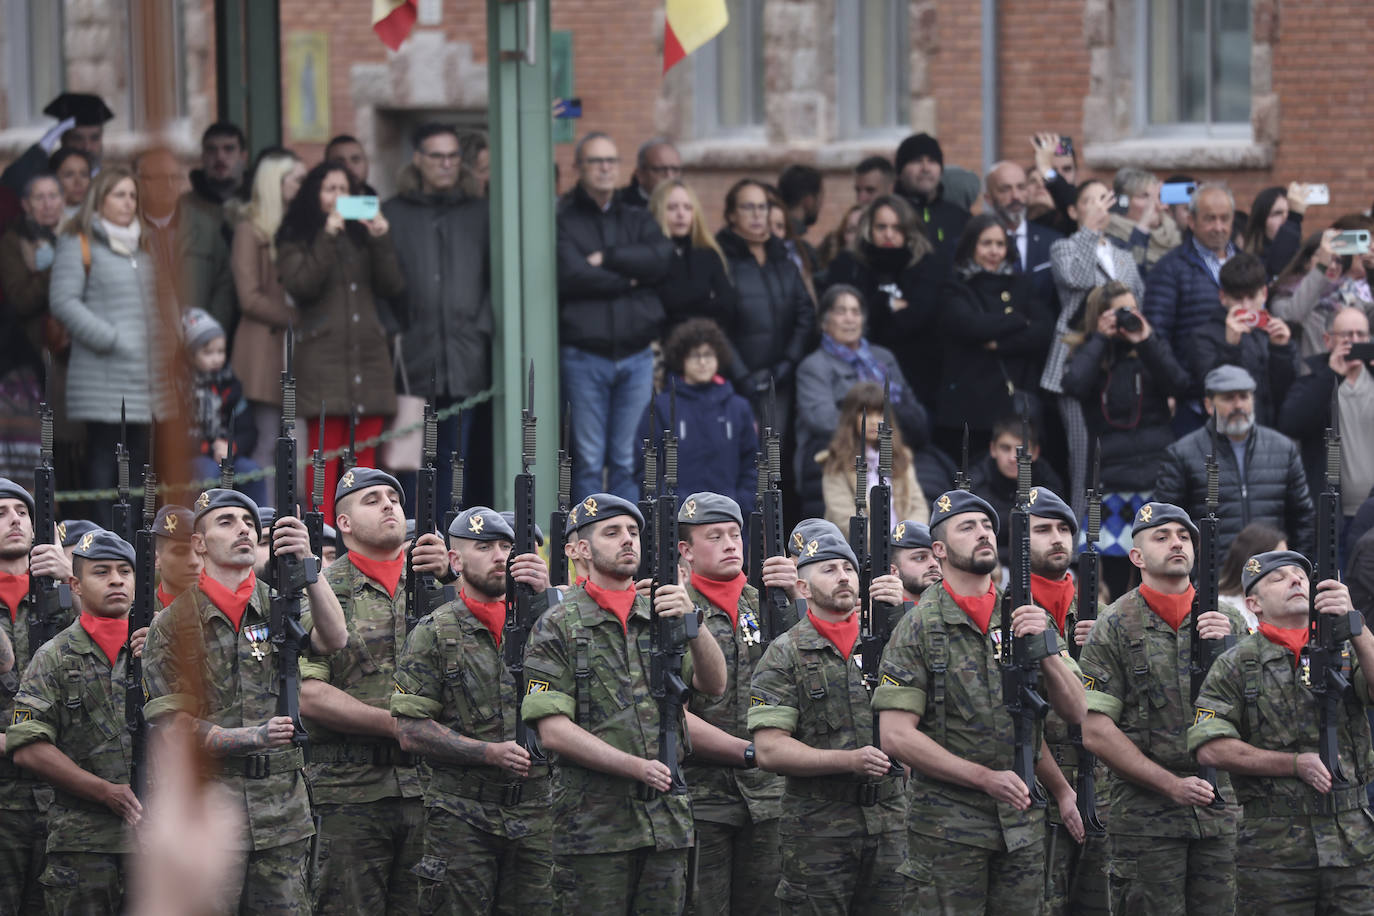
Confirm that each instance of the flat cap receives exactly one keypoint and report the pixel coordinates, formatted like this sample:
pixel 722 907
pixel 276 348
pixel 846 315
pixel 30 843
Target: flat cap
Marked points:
pixel 71 531
pixel 481 524
pixel 1152 515
pixel 104 545
pixel 1228 378
pixel 957 502
pixel 910 533
pixel 11 490
pixel 1045 503
pixel 600 506
pixel 220 498
pixel 826 545
pixel 357 479
pixel 1262 564
pixel 708 508
pixel 808 529
pixel 509 516
pixel 176 522
pixel 88 110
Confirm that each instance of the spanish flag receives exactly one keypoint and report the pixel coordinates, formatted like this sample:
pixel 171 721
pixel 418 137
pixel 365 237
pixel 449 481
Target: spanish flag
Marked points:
pixel 392 20
pixel 688 25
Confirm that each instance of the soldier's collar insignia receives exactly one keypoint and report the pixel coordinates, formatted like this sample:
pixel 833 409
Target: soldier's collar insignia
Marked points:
pixel 537 686
pixel 944 503
pixel 1252 566
pixel 347 480
pixel 690 510
pixel 61 531
pixel 1034 495
pixel 86 540
pixel 475 524
pixel 170 523
pixel 900 532
pixel 590 505
pixel 204 500
pixel 812 548
pixel 1146 513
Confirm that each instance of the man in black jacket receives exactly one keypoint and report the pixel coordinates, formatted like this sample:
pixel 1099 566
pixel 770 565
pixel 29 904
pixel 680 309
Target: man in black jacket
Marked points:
pixel 920 166
pixel 1261 474
pixel 609 257
pixel 656 162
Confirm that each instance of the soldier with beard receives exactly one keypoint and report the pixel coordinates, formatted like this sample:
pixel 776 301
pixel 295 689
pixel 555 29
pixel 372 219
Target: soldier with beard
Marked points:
pixel 913 560
pixel 177 564
pixel 976 841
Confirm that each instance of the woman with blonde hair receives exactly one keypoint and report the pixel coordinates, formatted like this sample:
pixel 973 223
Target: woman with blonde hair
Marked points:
pixel 857 434
pixel 259 350
pixel 697 284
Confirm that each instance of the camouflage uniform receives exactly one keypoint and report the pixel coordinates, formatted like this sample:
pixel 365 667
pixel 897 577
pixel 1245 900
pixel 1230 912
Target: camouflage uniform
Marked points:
pixel 843 850
pixel 979 854
pixel 487 835
pixel 1165 858
pixel 736 810
pixel 238 671
pixel 72 699
pixel 1291 857
pixel 613 851
pixel 366 791
pixel 23 799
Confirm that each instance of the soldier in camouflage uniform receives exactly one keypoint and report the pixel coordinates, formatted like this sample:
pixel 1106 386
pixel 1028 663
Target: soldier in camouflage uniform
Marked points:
pixel 843 847
pixel 68 728
pixel 976 842
pixel 488 818
pixel 620 836
pixel 1170 852
pixel 913 561
pixel 1304 845
pixel 22 798
pixel 366 790
pixel 218 632
pixel 176 561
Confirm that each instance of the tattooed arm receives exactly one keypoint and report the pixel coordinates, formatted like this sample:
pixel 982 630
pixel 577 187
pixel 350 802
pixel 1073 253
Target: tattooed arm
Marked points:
pixel 229 742
pixel 434 741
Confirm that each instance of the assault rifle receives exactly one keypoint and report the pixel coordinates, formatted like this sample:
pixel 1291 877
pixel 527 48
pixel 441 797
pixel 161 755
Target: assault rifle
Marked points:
pixel 1089 573
pixel 558 519
pixel 1205 651
pixel 422 591
pixel 140 616
pixel 648 500
pixel 961 478
pixel 314 519
pixel 858 522
pixel 875 618
pixel 455 485
pixel 349 459
pixel 777 613
pixel 122 514
pixel 226 468
pixel 50 601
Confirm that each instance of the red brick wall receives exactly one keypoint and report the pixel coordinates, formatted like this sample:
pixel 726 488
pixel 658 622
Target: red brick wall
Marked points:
pixel 1042 73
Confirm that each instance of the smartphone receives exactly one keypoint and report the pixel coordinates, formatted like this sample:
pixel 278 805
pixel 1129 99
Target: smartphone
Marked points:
pixel 1065 147
pixel 568 108
pixel 1361 352
pixel 1257 319
pixel 1351 241
pixel 1318 194
pixel 362 207
pixel 1176 192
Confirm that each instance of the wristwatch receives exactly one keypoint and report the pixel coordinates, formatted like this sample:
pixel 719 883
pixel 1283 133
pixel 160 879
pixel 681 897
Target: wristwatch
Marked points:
pixel 749 762
pixel 448 578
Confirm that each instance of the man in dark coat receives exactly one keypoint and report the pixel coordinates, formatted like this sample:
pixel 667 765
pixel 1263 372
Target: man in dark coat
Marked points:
pixel 657 161
pixel 920 166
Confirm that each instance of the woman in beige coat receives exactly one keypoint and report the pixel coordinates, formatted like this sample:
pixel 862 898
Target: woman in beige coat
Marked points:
pixel 862 409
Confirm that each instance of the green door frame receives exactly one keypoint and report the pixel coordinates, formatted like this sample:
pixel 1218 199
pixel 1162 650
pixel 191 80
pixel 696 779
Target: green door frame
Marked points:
pixel 248 69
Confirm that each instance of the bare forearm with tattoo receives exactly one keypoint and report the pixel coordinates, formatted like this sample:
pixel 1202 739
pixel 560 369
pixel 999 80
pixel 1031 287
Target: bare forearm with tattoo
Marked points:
pixel 429 738
pixel 227 742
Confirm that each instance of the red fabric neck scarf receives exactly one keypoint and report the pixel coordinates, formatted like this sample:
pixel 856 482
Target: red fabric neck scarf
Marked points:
pixel 386 573
pixel 842 635
pixel 977 607
pixel 1169 608
pixel 12 591
pixel 724 595
pixel 618 603
pixel 1054 597
pixel 491 614
pixel 163 598
pixel 109 633
pixel 232 603
pixel 1292 640
pixel 580 580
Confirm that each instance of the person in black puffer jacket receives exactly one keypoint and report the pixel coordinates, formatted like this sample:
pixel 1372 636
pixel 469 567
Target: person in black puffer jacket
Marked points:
pixel 697 284
pixel 899 272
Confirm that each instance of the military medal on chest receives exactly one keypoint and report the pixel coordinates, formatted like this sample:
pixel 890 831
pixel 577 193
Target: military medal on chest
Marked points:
pixel 257 635
pixel 749 627
pixel 996 634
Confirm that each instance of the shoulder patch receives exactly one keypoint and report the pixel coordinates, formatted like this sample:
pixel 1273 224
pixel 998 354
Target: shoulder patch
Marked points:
pixel 753 701
pixel 1089 682
pixel 537 686
pixel 890 681
pixel 1203 715
pixel 399 688
pixel 21 715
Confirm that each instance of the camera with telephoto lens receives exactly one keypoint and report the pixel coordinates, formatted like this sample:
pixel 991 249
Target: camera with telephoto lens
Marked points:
pixel 1128 320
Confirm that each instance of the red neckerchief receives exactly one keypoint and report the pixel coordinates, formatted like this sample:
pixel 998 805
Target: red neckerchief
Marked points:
pixel 1292 640
pixel 724 595
pixel 580 580
pixel 618 603
pixel 1169 608
pixel 842 634
pixel 232 603
pixel 386 573
pixel 977 607
pixel 491 614
pixel 12 591
pixel 1054 596
pixel 109 633
pixel 164 599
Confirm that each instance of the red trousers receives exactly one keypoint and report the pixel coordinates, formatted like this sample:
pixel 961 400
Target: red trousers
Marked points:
pixel 336 436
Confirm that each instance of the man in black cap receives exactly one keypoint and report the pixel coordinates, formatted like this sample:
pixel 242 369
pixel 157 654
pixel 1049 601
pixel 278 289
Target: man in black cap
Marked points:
pixel 69 534
pixel 913 560
pixel 488 820
pixel 1170 852
pixel 69 745
pixel 81 126
pixel 175 559
pixel 974 837
pixel 1306 844
pixel 920 166
pixel 621 837
pixel 366 790
pixel 223 625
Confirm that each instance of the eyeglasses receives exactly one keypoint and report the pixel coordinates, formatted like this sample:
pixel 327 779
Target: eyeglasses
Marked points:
pixel 752 208
pixel 602 162
pixel 443 157
pixel 1356 336
pixel 665 171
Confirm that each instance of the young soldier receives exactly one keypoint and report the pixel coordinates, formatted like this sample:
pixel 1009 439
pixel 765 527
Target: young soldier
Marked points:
pixel 488 823
pixel 1170 852
pixel 210 656
pixel 68 729
pixel 621 837
pixel 842 808
pixel 913 560
pixel 365 789
pixel 1304 846
pixel 176 561
pixel 976 842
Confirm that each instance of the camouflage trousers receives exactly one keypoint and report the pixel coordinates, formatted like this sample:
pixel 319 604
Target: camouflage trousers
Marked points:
pixel 23 834
pixel 643 882
pixel 366 855
pixel 971 881
pixel 83 883
pixel 1075 876
pixel 843 875
pixel 737 869
pixel 1167 876
pixel 270 881
pixel 1292 891
pixel 470 871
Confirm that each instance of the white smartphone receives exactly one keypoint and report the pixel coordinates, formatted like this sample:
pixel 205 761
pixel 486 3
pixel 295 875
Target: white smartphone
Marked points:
pixel 1318 194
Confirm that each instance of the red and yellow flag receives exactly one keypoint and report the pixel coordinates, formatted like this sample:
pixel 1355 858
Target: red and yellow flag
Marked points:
pixel 688 25
pixel 392 20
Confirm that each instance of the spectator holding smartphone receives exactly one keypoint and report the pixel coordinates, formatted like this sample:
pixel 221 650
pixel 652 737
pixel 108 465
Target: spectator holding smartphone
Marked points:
pixel 1302 294
pixel 1143 227
pixel 1274 231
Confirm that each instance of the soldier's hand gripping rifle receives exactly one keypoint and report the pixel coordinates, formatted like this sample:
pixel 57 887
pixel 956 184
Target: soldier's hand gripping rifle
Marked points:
pixel 1321 660
pixel 778 612
pixel 1205 651
pixel 290 573
pixel 50 600
pixel 876 618
pixel 122 514
pixel 558 519
pixel 140 616
pixel 1089 574
pixel 1020 656
pixel 314 519
pixel 422 591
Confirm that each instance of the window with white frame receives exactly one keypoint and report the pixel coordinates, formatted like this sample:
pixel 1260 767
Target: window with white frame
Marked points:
pixel 873 95
pixel 35 62
pixel 1196 60
pixel 729 75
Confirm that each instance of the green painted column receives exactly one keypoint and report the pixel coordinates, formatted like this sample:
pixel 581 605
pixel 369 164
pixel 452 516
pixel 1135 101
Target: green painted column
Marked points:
pixel 248 68
pixel 523 266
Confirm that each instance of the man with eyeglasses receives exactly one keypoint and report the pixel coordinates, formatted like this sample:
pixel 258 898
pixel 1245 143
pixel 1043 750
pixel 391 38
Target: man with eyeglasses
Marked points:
pixel 656 161
pixel 610 257
pixel 440 227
